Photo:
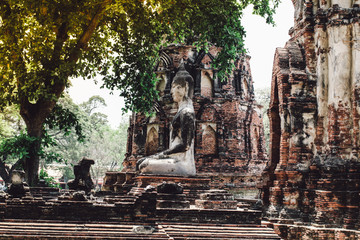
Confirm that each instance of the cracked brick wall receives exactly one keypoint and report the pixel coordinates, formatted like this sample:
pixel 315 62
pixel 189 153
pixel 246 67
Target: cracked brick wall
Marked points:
pixel 229 139
pixel 313 175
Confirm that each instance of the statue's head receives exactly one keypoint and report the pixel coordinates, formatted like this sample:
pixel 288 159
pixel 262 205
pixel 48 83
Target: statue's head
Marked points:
pixel 182 86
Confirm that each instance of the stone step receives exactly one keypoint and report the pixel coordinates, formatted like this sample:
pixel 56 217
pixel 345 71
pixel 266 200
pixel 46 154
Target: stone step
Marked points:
pixel 45 230
pixel 216 204
pixel 218 232
pixel 18 229
pixel 172 204
pixel 224 216
pixel 113 199
pixel 216 195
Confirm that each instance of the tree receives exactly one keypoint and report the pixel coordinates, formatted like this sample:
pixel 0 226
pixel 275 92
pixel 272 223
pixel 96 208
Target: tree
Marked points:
pixel 43 43
pixel 69 127
pixel 105 145
pixel 14 148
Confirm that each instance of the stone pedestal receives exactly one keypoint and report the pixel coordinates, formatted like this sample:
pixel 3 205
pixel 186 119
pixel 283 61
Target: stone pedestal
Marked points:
pixel 192 186
pixel 186 182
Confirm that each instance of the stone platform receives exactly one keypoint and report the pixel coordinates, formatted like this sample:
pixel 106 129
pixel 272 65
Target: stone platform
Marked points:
pixel 113 215
pixel 139 205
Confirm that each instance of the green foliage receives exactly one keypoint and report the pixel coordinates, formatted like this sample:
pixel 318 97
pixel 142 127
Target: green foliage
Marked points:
pixel 68 173
pixel 10 121
pixel 65 120
pixel 93 104
pixel 19 147
pixel 16 147
pixel 143 27
pixel 47 142
pixel 49 181
pixel 105 145
pixel 90 112
pixel 43 43
pixel 62 119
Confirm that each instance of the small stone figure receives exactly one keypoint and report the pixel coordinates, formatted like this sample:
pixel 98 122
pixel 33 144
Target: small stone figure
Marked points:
pixel 18 187
pixel 82 179
pixel 179 158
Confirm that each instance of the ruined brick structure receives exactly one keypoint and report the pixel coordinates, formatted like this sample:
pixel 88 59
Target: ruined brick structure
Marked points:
pixel 229 136
pixel 314 171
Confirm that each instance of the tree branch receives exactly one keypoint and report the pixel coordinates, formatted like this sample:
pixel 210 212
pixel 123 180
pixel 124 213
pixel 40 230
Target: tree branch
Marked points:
pixel 88 32
pixel 4 170
pixel 61 37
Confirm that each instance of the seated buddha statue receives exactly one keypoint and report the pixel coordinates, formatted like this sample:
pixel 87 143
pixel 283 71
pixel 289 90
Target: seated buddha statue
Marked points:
pixel 178 160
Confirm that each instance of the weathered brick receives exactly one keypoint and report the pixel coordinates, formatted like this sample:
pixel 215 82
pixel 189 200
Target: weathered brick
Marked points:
pixel 314 125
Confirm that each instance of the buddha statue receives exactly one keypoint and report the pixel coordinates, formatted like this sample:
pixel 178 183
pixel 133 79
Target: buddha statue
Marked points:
pixel 178 160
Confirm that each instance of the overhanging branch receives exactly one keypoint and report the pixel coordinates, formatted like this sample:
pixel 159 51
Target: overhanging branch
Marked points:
pixel 88 32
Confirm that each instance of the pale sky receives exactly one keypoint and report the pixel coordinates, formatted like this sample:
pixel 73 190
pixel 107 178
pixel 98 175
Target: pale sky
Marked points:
pixel 261 41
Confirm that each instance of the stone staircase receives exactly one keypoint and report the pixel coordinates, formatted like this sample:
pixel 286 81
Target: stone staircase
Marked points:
pixel 215 231
pixel 60 230
pixel 139 214
pixel 27 229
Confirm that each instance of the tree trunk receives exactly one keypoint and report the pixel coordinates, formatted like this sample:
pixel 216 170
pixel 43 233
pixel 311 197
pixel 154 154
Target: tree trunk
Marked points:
pixel 34 116
pixel 4 171
pixel 31 164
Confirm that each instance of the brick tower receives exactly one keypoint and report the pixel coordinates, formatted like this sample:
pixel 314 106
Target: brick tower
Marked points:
pixel 314 170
